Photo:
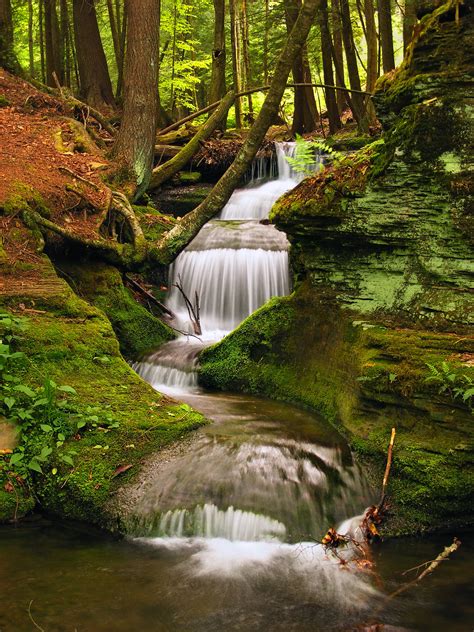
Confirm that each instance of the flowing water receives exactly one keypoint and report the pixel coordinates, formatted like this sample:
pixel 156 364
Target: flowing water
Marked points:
pixel 225 529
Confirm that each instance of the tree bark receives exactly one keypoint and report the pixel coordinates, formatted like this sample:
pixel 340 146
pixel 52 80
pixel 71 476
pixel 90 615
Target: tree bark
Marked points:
pixel 372 56
pixel 217 87
pixel 357 100
pixel 331 99
pixel 305 115
pixel 386 34
pixel 52 43
pixel 182 234
pixel 8 58
pixel 338 50
pixel 409 21
pixel 235 63
pixel 96 88
pixel 31 57
pixel 134 147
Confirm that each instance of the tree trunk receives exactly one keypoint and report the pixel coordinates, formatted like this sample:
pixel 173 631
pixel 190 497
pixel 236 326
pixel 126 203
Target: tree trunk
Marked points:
pixel 52 43
pixel 305 115
pixel 8 58
pixel 235 63
pixel 182 234
pixel 66 43
pixel 134 147
pixel 357 100
pixel 96 88
pixel 122 41
pixel 372 56
pixel 338 51
pixel 409 21
pixel 31 40
pixel 331 100
pixel 41 41
pixel 217 87
pixel 386 34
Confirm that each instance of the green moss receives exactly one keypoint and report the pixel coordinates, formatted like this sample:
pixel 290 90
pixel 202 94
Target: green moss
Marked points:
pixel 4 102
pixel 136 328
pixel 14 504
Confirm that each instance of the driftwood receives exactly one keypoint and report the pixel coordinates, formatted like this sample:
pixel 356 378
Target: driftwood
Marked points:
pixel 164 172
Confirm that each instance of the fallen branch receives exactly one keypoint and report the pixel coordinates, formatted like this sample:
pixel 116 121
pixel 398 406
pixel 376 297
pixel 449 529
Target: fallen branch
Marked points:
pixel 165 171
pixel 149 296
pixel 80 178
pixel 387 469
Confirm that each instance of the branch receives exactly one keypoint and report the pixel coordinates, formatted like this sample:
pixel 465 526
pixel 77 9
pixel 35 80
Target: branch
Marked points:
pixel 167 170
pixel 149 296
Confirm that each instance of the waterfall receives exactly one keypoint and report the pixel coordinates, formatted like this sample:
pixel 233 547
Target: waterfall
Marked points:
pixel 234 265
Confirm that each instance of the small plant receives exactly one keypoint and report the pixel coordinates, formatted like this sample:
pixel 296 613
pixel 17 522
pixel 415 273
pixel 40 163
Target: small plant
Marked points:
pixel 456 385
pixel 303 160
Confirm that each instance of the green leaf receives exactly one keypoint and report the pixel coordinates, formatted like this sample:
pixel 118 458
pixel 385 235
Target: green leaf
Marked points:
pixel 67 389
pixel 21 388
pixel 80 424
pixel 67 459
pixel 468 394
pixel 16 458
pixel 9 401
pixel 61 437
pixel 35 466
pixel 46 427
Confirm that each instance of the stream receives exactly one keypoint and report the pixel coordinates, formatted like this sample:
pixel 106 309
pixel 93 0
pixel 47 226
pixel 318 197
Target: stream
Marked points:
pixel 225 531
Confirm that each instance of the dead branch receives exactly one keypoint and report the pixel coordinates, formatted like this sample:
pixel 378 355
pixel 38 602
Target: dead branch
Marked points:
pixel 387 469
pixel 149 296
pixel 193 310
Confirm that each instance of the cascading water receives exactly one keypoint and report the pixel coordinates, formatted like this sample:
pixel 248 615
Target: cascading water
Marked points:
pixel 234 265
pixel 260 480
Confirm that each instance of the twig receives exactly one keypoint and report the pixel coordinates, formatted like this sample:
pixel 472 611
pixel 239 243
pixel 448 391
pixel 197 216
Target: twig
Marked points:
pixel 193 310
pixel 387 469
pixel 78 177
pixel 31 618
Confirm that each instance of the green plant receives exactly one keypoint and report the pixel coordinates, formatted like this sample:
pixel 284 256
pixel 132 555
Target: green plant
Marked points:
pixel 45 416
pixel 303 160
pixel 451 382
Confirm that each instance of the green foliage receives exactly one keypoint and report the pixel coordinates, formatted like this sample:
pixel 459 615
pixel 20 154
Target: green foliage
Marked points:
pixel 304 159
pixel 451 382
pixel 45 415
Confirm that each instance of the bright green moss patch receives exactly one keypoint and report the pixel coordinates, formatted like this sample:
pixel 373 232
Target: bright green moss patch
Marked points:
pixel 136 328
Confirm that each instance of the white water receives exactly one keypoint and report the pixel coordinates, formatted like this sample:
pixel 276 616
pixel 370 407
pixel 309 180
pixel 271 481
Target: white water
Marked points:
pixel 234 265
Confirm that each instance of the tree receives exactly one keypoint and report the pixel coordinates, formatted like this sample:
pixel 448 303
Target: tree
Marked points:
pixel 305 115
pixel 357 100
pixel 52 39
pixel 386 34
pixel 337 51
pixel 96 87
pixel 217 87
pixel 409 21
pixel 7 54
pixel 134 147
pixel 331 101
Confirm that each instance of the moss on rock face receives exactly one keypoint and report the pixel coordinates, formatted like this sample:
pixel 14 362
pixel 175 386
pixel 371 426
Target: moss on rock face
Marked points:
pixel 73 343
pixel 382 250
pixel 136 328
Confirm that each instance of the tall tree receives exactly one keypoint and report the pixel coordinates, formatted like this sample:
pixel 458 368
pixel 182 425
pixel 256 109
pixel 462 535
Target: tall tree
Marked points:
pixel 95 88
pixel 135 144
pixel 305 116
pixel 357 100
pixel 7 54
pixel 52 39
pixel 236 68
pixel 409 21
pixel 384 8
pixel 31 56
pixel 217 87
pixel 326 53
pixel 338 51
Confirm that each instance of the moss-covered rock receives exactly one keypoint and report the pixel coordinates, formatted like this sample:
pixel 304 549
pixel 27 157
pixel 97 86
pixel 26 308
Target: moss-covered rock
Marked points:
pixel 72 342
pixel 101 285
pixel 381 247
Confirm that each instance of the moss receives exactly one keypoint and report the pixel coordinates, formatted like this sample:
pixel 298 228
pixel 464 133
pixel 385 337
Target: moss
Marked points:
pixel 365 377
pixel 14 504
pixel 136 328
pixel 4 102
pixel 154 224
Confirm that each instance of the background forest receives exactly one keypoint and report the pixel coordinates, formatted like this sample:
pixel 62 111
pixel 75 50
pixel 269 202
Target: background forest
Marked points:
pixel 206 48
